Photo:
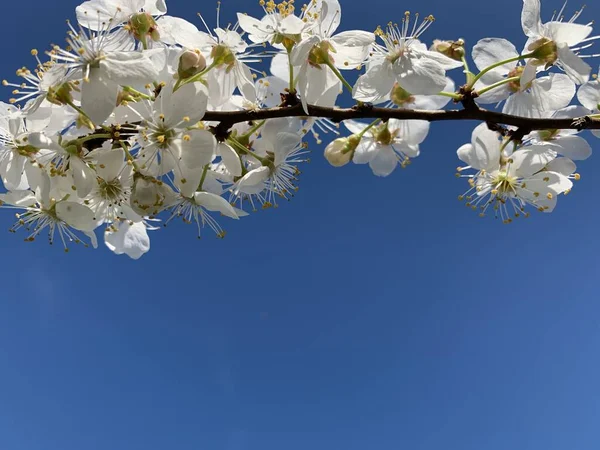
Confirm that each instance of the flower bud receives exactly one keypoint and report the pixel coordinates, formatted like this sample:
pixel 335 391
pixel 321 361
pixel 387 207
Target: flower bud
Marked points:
pixel 340 152
pixel 191 62
pixel 141 25
pixel 150 196
pixel 452 49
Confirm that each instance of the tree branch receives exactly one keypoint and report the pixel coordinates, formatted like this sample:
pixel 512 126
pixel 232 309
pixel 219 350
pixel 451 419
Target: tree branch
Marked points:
pixel 229 118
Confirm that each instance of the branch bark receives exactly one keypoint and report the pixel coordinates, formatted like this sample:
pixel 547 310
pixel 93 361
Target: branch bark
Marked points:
pixel 228 118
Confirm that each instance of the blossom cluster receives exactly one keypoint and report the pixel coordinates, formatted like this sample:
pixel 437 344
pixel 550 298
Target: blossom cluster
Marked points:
pixel 110 132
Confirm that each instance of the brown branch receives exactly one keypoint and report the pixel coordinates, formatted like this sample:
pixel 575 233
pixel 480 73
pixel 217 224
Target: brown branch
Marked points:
pixel 229 118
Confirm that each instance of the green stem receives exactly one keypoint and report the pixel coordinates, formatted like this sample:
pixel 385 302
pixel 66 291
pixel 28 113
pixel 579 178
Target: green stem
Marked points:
pixel 198 76
pixel 204 172
pixel 292 84
pixel 79 110
pixel 468 74
pixel 91 137
pixel 452 95
pixel 137 93
pixel 340 76
pixel 498 64
pixel 254 129
pixel 244 151
pixel 498 84
pixel 368 127
pixel 129 156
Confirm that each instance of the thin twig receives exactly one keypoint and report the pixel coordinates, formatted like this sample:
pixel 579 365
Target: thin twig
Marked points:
pixel 369 112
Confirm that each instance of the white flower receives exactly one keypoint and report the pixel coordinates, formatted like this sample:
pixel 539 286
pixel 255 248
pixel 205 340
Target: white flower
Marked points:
pixel 103 68
pixel 386 145
pixel 589 96
pixel 277 24
pixel 197 207
pixel 44 82
pixel 555 42
pixel 95 14
pixel 321 47
pixel 162 137
pixel 135 19
pixel 66 159
pixel 564 142
pixel 403 59
pixel 509 183
pixel 320 87
pixel 129 238
pixel 274 170
pixel 230 54
pixel 109 198
pixel 548 93
pixel 402 99
pixel 18 148
pixel 56 216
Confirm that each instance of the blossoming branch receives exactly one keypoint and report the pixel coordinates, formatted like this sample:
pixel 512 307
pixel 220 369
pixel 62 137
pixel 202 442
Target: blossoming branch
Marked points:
pixel 143 118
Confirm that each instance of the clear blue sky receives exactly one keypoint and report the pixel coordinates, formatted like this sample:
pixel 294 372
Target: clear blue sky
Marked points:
pixel 366 314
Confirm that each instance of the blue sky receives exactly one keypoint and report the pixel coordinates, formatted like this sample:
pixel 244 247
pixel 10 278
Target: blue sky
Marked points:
pixel 366 313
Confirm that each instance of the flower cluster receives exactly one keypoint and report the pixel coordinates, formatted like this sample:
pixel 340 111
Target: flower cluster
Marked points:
pixel 115 130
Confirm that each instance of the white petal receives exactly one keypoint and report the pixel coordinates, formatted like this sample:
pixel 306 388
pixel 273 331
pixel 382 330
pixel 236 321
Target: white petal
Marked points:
pixel 291 25
pixel 384 162
pixel 128 68
pixel 492 50
pixel 352 48
pixel 83 176
pixel 485 151
pixel 110 164
pixel 589 94
pixel 286 143
pixel 530 160
pixel 531 18
pixel 553 92
pixel 199 150
pixel 213 202
pixel 174 30
pixel 412 131
pixel 300 52
pixel 573 147
pixel 18 198
pixel 365 152
pixel 130 239
pixel 256 28
pixel 420 74
pixel 98 97
pixel 95 14
pixel 564 166
pixel 375 85
pixel 189 101
pixel 76 215
pixel 575 67
pixel 567 32
pixel 230 159
pixel 253 182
